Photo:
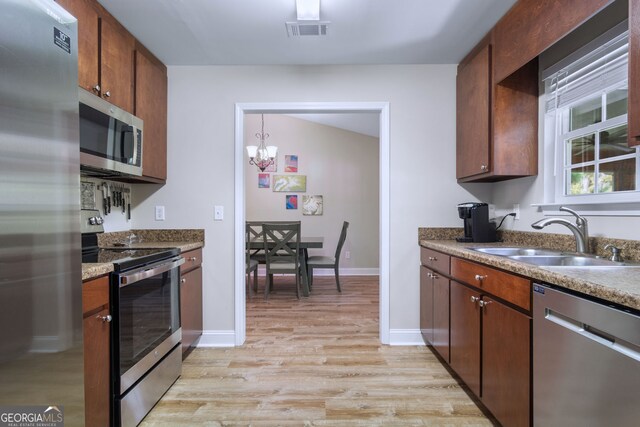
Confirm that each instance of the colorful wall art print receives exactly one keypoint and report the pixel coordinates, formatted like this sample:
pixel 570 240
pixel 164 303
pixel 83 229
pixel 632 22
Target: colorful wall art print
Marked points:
pixel 263 180
pixel 292 201
pixel 290 183
pixel 291 163
pixel 312 205
pixel 273 167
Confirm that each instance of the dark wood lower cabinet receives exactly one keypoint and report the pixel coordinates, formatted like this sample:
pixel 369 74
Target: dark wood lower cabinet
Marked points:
pixel 97 336
pixel 191 307
pixel 465 335
pixel 441 305
pixel 426 304
pixel 506 363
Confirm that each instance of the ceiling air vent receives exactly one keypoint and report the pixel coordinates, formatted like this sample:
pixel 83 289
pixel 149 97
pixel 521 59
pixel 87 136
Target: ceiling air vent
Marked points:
pixel 298 29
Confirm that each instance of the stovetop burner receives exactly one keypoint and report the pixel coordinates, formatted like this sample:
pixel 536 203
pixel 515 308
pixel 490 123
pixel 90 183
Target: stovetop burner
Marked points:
pixel 124 259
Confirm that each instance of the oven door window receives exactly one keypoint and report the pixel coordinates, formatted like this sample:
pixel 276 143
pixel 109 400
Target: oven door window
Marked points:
pixel 149 314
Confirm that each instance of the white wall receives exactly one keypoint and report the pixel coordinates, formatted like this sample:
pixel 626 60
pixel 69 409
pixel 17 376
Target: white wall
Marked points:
pixel 201 172
pixel 341 166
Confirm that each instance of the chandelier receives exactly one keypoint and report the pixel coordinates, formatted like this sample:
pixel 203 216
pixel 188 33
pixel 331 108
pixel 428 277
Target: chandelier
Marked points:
pixel 262 155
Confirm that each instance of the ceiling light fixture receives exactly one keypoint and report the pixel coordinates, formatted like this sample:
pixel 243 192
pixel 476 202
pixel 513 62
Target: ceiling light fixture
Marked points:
pixel 262 155
pixel 308 10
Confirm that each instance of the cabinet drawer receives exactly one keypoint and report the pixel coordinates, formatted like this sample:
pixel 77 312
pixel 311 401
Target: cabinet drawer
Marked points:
pixel 95 294
pixel 192 259
pixel 435 260
pixel 514 289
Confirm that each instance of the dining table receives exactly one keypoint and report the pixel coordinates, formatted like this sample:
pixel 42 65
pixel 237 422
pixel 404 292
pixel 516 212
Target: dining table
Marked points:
pixel 306 243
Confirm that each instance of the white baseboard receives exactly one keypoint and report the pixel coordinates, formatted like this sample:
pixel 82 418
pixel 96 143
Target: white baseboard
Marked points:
pixel 405 337
pixel 343 271
pixel 213 338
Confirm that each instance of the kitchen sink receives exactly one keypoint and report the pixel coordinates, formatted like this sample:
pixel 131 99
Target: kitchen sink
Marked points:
pixel 516 251
pixel 566 261
pixel 552 258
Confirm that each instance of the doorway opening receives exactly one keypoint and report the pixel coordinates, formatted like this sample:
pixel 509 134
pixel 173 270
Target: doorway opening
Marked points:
pixel 379 108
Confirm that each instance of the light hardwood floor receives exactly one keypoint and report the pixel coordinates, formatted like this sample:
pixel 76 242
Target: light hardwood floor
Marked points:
pixel 316 361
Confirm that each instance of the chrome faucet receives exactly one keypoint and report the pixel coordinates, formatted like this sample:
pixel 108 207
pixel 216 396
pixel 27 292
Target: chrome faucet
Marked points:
pixel 580 230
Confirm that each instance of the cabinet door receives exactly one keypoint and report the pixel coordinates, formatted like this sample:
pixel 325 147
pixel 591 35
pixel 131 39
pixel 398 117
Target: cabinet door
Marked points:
pixel 117 48
pixel 634 73
pixel 465 335
pixel 473 107
pixel 426 304
pixel 88 55
pixel 96 369
pixel 506 363
pixel 151 107
pixel 441 315
pixel 191 307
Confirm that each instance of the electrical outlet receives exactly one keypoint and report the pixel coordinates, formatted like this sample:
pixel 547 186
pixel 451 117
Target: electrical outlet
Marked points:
pixel 347 254
pixel 516 209
pixel 492 210
pixel 159 213
pixel 218 213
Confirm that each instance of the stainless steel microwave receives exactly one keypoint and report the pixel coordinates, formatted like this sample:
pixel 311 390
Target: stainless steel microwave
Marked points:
pixel 110 138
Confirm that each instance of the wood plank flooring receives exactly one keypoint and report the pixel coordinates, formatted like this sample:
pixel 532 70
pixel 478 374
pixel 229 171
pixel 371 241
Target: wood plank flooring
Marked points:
pixel 316 361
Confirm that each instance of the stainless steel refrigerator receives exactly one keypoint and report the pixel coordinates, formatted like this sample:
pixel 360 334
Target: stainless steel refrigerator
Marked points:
pixel 41 357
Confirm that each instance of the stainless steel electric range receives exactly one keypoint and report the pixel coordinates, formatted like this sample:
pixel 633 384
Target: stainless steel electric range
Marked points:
pixel 146 334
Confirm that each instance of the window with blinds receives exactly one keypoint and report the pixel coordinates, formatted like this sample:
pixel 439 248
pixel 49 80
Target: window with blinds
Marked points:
pixel 586 103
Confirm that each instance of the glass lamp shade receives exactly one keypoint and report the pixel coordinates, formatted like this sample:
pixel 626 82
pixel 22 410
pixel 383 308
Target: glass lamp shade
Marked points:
pixel 272 151
pixel 252 150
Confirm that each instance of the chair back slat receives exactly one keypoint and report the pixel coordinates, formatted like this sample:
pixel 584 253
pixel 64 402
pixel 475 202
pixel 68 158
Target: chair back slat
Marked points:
pixel 343 237
pixel 281 242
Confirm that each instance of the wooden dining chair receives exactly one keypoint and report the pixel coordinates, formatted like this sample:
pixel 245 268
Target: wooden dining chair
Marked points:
pixel 328 262
pixel 251 264
pixel 282 252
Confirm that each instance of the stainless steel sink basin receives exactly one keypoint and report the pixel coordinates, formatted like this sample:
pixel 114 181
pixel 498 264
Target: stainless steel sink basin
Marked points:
pixel 567 261
pixel 516 251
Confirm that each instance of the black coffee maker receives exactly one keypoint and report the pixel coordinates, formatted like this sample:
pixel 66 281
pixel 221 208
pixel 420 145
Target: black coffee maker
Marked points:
pixel 477 227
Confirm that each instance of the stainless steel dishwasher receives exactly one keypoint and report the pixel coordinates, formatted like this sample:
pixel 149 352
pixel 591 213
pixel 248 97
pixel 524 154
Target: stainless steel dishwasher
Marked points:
pixel 586 362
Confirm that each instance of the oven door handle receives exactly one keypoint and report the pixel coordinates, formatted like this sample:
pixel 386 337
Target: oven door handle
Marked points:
pixel 145 272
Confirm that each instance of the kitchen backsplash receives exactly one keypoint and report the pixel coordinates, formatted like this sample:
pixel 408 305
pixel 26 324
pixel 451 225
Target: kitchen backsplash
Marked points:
pixel 118 193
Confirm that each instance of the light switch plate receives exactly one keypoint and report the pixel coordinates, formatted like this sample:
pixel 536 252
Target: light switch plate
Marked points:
pixel 218 214
pixel 159 213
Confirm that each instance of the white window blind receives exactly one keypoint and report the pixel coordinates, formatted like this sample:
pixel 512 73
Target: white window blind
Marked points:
pixel 603 68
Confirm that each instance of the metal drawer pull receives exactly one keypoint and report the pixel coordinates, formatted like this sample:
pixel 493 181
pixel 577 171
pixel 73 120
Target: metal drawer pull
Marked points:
pixel 475 299
pixel 432 258
pixel 480 277
pixel 435 276
pixel 105 319
pixel 183 280
pixel 107 94
pixel 484 303
pixel 430 276
pixel 96 88
pixel 192 258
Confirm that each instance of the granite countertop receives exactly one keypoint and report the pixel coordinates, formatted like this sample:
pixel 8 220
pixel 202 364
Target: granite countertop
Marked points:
pixel 618 285
pixel 185 240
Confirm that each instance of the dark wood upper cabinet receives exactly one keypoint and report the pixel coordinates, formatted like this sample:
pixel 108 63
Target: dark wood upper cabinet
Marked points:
pixel 531 26
pixel 105 53
pixel 117 49
pixel 88 52
pixel 473 113
pixel 151 107
pixel 496 125
pixel 634 73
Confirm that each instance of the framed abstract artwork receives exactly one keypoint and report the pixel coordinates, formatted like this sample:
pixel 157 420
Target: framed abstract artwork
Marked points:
pixel 292 201
pixel 291 163
pixel 289 183
pixel 312 205
pixel 263 180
